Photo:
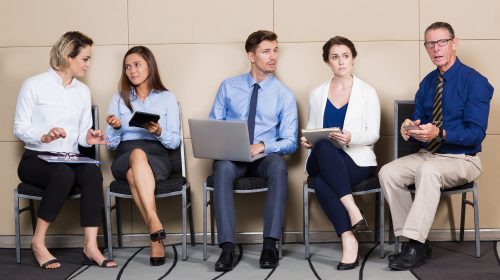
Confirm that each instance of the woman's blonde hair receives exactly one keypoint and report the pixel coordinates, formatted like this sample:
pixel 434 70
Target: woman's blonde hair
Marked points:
pixel 69 45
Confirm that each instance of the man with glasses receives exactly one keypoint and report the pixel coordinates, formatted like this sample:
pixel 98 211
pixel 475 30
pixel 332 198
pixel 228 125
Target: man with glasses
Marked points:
pixel 450 120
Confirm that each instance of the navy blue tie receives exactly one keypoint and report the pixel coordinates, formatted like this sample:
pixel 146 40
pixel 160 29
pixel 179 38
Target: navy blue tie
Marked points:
pixel 252 111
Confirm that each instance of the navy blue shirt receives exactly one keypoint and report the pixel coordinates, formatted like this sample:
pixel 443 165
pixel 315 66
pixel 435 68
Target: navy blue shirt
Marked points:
pixel 334 117
pixel 465 105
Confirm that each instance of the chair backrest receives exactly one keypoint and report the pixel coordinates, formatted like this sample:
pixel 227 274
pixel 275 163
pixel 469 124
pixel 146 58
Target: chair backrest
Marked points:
pixel 92 151
pixel 177 156
pixel 403 109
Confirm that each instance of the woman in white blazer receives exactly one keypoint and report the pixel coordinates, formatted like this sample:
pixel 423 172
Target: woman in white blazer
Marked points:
pixel 347 158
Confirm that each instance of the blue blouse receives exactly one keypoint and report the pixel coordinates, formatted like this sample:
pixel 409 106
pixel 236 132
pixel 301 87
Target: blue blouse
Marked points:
pixel 334 117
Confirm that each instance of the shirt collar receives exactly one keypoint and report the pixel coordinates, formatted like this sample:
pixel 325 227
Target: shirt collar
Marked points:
pixel 454 68
pixel 133 94
pixel 263 84
pixel 53 74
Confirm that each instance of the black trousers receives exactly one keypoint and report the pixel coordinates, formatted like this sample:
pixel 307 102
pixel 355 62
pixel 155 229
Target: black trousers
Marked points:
pixel 57 179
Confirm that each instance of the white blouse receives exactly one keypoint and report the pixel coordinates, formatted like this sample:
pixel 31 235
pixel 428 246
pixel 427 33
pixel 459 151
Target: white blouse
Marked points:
pixel 44 103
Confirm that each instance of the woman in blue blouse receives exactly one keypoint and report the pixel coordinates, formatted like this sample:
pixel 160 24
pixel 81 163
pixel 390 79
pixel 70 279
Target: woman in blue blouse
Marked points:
pixel 347 158
pixel 141 152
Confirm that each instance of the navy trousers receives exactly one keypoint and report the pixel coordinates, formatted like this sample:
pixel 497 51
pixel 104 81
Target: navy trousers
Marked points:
pixel 334 174
pixel 271 167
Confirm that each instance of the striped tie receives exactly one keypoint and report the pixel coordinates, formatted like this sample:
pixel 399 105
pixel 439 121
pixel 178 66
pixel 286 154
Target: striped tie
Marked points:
pixel 437 114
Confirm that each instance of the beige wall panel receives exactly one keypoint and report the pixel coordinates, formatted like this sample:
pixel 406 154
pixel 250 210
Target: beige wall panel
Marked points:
pixel 194 77
pixel 197 21
pixel 16 65
pixel 470 20
pixel 103 76
pixel 390 67
pixel 317 20
pixel 41 23
pixel 485 63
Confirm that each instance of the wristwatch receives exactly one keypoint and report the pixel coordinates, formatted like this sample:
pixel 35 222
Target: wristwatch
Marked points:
pixel 439 137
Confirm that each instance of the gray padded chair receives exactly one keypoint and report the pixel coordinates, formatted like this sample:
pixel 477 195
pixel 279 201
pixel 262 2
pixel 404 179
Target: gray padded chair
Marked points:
pixel 176 185
pixel 403 109
pixel 32 193
pixel 370 185
pixel 242 185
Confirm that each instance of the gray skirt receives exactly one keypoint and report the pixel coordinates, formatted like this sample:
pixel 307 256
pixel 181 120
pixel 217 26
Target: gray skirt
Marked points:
pixel 157 154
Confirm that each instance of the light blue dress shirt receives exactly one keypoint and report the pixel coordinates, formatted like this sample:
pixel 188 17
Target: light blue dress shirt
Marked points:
pixel 276 117
pixel 162 103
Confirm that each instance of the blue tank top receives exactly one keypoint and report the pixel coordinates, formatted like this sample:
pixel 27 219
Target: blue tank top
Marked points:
pixel 334 117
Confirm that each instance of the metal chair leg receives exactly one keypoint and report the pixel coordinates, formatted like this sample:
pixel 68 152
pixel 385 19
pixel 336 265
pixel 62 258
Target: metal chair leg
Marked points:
pixel 184 224
pixel 476 222
pixel 381 224
pixel 190 216
pixel 18 230
pixel 109 226
pixel 306 221
pixel 205 205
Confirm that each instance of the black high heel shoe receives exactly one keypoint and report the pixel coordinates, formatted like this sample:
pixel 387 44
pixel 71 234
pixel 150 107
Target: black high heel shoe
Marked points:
pixel 157 261
pixel 361 225
pixel 348 266
pixel 158 235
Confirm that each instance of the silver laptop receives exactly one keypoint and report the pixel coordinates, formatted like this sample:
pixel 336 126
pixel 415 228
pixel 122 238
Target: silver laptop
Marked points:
pixel 222 140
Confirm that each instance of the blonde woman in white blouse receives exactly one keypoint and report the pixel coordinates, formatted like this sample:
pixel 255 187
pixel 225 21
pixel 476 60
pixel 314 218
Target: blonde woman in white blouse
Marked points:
pixel 53 116
pixel 347 158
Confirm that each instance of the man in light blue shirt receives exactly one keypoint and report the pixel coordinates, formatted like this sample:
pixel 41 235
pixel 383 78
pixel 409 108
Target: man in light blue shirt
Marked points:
pixel 271 112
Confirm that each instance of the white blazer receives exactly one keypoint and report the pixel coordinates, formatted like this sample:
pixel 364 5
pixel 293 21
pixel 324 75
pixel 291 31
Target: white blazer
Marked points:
pixel 362 119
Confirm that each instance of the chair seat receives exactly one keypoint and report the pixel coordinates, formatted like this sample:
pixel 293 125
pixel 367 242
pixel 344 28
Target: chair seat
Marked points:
pixel 27 189
pixel 458 188
pixel 369 184
pixel 243 184
pixel 173 184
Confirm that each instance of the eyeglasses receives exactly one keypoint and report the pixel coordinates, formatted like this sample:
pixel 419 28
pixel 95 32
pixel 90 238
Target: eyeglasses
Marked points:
pixel 441 43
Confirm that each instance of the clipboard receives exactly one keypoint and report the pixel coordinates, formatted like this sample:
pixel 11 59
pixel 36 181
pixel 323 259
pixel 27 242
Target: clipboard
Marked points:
pixel 68 159
pixel 139 119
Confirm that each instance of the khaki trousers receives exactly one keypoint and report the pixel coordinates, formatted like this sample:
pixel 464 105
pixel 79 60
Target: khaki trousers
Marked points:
pixel 430 173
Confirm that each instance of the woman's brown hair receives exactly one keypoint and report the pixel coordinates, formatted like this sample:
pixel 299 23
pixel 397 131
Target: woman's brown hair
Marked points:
pixel 154 82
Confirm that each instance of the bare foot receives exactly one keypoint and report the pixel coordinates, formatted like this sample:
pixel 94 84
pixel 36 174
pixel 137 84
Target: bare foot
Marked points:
pixel 349 247
pixel 42 256
pixel 157 249
pixel 95 255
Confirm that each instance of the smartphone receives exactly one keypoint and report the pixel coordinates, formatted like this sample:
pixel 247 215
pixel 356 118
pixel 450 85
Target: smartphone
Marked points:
pixel 411 127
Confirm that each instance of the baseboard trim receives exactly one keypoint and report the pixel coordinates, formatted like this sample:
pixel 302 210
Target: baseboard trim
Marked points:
pixel 137 240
